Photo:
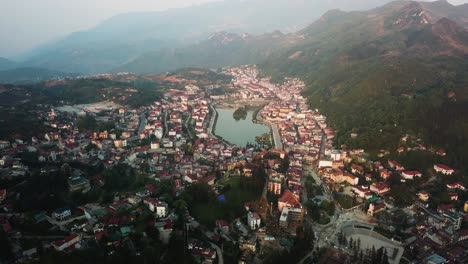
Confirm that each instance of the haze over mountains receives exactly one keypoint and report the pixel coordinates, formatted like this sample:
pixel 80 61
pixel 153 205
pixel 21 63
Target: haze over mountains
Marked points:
pixel 125 37
pixel 401 66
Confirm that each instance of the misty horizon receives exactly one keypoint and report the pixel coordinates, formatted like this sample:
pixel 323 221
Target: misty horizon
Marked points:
pixel 28 25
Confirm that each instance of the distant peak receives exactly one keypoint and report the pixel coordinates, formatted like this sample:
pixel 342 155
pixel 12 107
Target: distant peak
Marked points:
pixel 332 13
pixel 447 25
pixel 445 2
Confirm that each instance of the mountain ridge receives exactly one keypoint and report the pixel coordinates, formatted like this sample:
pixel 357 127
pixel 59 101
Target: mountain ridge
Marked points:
pixel 121 38
pixel 393 67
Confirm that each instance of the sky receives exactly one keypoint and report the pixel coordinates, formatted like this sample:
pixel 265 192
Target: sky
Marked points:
pixel 25 24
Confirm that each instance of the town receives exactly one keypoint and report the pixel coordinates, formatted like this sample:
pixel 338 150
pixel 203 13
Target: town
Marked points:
pixel 158 176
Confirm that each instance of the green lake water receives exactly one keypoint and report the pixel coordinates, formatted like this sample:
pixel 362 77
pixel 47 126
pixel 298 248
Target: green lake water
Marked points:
pixel 239 132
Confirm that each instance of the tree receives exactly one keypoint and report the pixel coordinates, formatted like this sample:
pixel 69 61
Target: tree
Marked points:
pixel 373 255
pixel 65 170
pixel 5 247
pixel 87 122
pixel 361 256
pixel 180 206
pixel 385 257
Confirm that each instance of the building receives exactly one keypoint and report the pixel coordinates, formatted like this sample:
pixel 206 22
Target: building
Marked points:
pixel 456 185
pixel 67 242
pixel 395 165
pixel 435 259
pixel 357 169
pixel 3 193
pixel 288 199
pixel 154 205
pixel 78 183
pixel 376 208
pixel 61 214
pixel 409 175
pixel 379 188
pixel 253 220
pixel 325 164
pixel 444 169
pixel 222 225
pixel 362 191
pixel 463 235
pixel 423 196
pixel 274 184
pixel 290 219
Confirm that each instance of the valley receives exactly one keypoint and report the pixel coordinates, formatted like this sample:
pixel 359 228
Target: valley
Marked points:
pixel 241 132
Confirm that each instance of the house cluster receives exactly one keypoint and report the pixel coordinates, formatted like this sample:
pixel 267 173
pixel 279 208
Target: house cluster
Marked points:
pixel 169 139
pixel 435 222
pixel 249 85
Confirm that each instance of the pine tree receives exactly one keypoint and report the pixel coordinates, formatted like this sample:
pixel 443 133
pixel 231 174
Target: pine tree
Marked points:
pixel 340 237
pixel 355 256
pixel 361 257
pixel 379 255
pixel 385 257
pixel 373 255
pixel 358 244
pixel 367 257
pixel 350 244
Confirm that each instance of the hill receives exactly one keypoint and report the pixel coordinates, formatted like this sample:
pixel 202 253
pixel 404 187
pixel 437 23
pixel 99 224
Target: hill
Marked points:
pixel 125 37
pixel 30 75
pixel 6 64
pixel 218 50
pixel 386 72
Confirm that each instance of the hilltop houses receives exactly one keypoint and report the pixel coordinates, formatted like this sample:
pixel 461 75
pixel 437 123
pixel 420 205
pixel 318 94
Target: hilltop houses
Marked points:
pixel 443 169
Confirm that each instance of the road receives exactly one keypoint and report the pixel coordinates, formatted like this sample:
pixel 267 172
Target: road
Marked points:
pixel 219 252
pixel 166 129
pixel 189 132
pixel 276 135
pixel 142 122
pixel 212 120
pixel 274 129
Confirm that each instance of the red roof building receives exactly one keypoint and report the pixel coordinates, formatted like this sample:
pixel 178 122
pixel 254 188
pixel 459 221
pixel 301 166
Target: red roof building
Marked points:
pixel 288 199
pixel 444 169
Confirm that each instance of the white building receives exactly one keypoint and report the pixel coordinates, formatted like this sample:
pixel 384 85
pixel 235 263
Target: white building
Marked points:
pixel 253 220
pixel 61 214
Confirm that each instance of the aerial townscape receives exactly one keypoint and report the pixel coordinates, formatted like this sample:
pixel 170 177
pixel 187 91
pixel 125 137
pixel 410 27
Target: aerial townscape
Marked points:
pixel 342 142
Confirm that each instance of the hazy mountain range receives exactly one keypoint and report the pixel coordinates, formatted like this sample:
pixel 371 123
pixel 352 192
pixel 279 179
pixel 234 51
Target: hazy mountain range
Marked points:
pixel 125 37
pixel 395 69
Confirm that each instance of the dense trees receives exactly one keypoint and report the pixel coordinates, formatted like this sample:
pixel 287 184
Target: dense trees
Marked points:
pixel 361 255
pixel 240 113
pixel 119 177
pixel 43 191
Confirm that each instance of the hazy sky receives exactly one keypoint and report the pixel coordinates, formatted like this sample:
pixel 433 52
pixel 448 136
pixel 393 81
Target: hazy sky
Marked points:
pixel 25 24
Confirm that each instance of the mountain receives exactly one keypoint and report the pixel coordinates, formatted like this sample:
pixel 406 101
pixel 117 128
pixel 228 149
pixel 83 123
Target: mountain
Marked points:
pixel 6 64
pixel 383 73
pixel 218 50
pixel 30 75
pixel 127 36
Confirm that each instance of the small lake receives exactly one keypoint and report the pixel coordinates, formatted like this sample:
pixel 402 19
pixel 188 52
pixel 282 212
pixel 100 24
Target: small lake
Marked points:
pixel 238 132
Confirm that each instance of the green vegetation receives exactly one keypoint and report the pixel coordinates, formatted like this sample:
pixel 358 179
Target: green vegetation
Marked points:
pixel 206 208
pixel 29 75
pixel 88 122
pixel 82 91
pixel 239 114
pixel 383 84
pixel 211 53
pixel 345 201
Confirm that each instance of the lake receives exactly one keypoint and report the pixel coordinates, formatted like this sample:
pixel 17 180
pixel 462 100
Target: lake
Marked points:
pixel 238 132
